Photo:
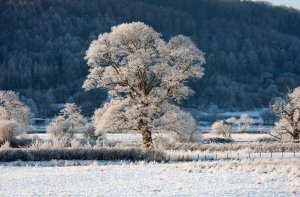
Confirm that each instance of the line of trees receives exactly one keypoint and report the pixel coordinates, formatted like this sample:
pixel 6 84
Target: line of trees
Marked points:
pixel 146 77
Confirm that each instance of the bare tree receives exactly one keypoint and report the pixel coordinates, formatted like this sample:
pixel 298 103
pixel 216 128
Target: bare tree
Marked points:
pixel 245 122
pixel 139 68
pixel 288 110
pixel 68 122
pixel 232 121
pixel 15 117
pixel 220 128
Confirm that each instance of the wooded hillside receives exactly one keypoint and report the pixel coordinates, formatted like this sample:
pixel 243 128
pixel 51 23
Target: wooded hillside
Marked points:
pixel 252 50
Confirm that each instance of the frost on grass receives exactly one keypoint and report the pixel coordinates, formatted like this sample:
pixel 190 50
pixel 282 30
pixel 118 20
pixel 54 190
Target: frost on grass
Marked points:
pixel 271 170
pixel 256 178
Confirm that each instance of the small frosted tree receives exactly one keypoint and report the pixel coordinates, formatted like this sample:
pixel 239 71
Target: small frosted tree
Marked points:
pixel 15 117
pixel 9 129
pixel 231 121
pixel 288 110
pixel 11 108
pixel 220 128
pixel 245 122
pixel 143 71
pixel 68 122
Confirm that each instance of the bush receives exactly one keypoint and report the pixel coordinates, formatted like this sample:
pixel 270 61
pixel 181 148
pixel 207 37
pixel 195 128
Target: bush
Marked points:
pixel 69 122
pixel 9 129
pixel 253 147
pixel 217 140
pixel 220 128
pixel 267 139
pixel 29 154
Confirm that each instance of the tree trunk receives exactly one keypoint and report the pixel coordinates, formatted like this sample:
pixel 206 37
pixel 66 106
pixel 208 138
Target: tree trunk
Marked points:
pixel 147 139
pixel 296 136
pixel 144 124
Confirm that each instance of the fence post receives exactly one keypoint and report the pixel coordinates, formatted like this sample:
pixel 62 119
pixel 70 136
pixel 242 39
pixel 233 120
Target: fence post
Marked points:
pixel 238 156
pixel 198 157
pixel 282 152
pixel 216 156
pixel 227 156
pixel 260 154
pixel 249 155
pixel 294 153
pixel 271 154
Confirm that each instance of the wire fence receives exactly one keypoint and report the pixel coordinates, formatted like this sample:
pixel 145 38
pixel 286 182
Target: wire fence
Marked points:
pixel 207 156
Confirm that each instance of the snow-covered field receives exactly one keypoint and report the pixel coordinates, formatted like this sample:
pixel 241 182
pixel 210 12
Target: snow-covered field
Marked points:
pixel 253 128
pixel 243 137
pixel 239 137
pixel 234 178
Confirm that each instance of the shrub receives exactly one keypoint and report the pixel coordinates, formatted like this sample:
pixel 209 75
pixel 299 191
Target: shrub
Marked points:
pixel 132 154
pixel 69 122
pixel 245 122
pixel 267 139
pixel 217 140
pixel 15 117
pixel 9 129
pixel 219 128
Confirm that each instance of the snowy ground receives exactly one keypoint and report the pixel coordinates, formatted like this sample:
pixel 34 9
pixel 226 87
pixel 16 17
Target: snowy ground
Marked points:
pixel 253 129
pixel 239 137
pixel 65 178
pixel 243 137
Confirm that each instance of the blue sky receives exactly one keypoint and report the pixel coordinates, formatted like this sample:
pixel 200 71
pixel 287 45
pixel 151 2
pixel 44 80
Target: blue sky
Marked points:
pixel 290 3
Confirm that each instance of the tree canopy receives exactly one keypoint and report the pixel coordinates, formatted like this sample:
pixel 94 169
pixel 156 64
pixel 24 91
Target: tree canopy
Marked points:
pixel 288 110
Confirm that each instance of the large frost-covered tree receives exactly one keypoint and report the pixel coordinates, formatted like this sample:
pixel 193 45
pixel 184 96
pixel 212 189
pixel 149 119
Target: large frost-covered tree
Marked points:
pixel 143 73
pixel 288 110
pixel 15 117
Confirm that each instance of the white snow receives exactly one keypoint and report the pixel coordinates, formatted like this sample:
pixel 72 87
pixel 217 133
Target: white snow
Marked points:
pixel 242 137
pixel 249 137
pixel 247 178
pixel 239 137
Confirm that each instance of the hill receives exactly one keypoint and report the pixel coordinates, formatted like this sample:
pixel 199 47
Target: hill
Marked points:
pixel 252 49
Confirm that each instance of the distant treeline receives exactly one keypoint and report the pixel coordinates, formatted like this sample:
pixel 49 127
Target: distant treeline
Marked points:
pixel 252 50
